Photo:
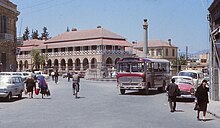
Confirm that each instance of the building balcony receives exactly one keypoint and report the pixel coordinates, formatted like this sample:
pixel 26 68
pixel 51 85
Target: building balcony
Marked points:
pixel 77 53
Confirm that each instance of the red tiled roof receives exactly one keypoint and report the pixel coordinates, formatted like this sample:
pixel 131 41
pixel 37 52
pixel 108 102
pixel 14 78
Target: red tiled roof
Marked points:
pixel 97 36
pixel 85 35
pixel 155 43
pixel 33 42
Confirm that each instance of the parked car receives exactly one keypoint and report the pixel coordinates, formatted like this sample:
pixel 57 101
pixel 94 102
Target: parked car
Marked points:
pixel 197 76
pixel 11 85
pixel 186 86
pixel 24 75
pixel 37 73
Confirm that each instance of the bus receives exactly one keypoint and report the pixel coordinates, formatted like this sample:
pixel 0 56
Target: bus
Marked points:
pixel 142 73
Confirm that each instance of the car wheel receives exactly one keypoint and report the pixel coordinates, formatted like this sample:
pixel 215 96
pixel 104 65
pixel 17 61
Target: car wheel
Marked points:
pixel 9 97
pixel 122 91
pixel 20 95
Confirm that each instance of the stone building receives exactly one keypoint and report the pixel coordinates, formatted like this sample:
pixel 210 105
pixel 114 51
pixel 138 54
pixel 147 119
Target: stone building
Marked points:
pixel 93 51
pixel 214 23
pixel 157 49
pixel 8 18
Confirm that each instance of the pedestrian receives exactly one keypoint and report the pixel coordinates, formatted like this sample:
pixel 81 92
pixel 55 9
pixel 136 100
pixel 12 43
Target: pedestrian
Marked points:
pixel 30 85
pixel 52 74
pixel 76 81
pixel 68 76
pixel 202 99
pixel 173 91
pixel 42 85
pixel 56 75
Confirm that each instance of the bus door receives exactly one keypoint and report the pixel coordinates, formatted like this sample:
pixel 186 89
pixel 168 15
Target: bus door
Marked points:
pixel 157 75
pixel 149 72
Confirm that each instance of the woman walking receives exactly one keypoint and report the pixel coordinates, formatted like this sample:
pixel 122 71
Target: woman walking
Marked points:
pixel 202 99
pixel 30 85
pixel 42 85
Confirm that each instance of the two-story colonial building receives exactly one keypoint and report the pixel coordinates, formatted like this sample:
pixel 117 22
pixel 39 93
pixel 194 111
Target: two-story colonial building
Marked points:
pixel 93 50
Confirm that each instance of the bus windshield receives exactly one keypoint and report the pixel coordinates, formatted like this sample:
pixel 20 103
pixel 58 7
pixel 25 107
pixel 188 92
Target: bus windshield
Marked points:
pixel 131 67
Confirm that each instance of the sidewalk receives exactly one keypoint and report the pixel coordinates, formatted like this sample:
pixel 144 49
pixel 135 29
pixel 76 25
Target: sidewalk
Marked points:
pixel 214 108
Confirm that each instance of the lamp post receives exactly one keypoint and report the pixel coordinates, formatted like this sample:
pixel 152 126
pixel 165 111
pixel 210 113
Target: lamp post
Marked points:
pixel 145 46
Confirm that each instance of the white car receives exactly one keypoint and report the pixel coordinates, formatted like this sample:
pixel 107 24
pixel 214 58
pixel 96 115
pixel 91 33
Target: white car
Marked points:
pixel 197 76
pixel 11 85
pixel 46 76
pixel 24 75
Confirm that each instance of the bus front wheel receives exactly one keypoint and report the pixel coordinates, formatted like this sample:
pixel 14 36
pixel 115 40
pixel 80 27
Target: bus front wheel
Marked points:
pixel 146 90
pixel 122 91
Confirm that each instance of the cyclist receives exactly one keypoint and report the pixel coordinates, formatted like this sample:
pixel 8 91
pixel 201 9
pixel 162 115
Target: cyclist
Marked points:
pixel 75 85
pixel 56 75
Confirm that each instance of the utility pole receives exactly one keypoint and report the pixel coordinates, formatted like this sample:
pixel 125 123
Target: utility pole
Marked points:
pixel 186 57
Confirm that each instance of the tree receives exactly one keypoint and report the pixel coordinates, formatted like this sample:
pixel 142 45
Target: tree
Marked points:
pixel 26 34
pixel 35 34
pixel 37 58
pixel 45 34
pixel 182 59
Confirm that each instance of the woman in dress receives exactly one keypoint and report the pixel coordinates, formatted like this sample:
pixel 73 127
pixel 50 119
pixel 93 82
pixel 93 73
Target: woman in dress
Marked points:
pixel 30 85
pixel 202 99
pixel 42 85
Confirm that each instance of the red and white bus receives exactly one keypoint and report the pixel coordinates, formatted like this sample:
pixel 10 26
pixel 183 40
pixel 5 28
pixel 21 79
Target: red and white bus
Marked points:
pixel 142 74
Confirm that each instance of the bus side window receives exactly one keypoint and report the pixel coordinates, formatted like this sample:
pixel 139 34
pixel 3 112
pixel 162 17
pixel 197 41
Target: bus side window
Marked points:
pixel 149 67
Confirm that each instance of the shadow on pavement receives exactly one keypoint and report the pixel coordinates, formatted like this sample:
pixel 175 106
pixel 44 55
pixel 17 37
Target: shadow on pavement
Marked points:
pixel 207 119
pixel 79 97
pixel 151 92
pixel 14 99
pixel 185 100
pixel 179 110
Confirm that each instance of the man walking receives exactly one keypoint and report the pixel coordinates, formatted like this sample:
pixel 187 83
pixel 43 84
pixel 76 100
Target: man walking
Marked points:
pixel 173 91
pixel 75 84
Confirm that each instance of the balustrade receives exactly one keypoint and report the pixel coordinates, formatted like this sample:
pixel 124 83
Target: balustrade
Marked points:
pixel 70 53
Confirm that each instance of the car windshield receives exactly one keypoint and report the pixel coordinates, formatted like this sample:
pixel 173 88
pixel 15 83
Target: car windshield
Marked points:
pixel 190 74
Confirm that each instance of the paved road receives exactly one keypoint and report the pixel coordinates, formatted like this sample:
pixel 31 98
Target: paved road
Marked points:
pixel 100 106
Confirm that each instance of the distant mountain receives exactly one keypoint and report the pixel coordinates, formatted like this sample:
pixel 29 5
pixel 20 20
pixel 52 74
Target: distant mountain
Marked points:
pixel 200 52
pixel 195 53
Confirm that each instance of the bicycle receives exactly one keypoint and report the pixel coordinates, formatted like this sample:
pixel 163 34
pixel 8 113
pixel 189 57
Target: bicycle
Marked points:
pixel 56 80
pixel 75 89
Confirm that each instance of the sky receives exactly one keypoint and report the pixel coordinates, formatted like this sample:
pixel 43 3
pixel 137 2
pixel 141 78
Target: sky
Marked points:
pixel 183 21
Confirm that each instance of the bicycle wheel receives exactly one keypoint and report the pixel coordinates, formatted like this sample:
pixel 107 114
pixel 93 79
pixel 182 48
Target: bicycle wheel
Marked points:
pixel 76 90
